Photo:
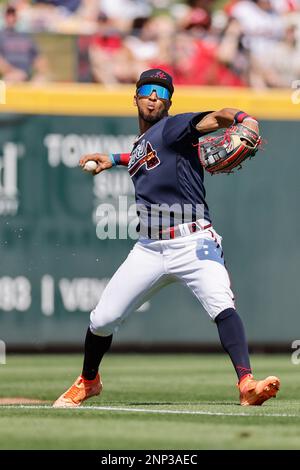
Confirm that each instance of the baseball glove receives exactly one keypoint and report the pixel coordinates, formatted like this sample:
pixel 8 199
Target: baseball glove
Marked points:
pixel 226 151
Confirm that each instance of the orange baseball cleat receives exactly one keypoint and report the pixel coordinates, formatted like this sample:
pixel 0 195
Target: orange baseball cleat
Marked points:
pixel 80 391
pixel 255 392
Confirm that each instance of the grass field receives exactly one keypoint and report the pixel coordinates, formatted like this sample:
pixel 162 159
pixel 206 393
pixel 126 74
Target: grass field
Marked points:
pixel 149 402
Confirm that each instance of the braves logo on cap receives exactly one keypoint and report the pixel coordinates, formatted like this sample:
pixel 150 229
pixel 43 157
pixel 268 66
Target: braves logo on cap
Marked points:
pixel 159 75
pixel 143 154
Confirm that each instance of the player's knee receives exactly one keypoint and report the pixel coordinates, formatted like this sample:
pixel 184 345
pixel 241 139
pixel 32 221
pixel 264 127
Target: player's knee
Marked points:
pixel 101 329
pixel 102 325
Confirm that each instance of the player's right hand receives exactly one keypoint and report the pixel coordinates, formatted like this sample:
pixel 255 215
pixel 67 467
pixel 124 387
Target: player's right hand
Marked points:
pixel 103 161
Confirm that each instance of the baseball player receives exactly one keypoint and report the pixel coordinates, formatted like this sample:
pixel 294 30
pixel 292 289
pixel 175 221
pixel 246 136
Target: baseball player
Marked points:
pixel 175 244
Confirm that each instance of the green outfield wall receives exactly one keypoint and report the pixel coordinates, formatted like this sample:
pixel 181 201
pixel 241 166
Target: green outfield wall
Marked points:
pixel 54 267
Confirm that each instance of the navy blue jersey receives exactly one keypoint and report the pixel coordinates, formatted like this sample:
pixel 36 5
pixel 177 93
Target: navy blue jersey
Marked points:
pixel 166 171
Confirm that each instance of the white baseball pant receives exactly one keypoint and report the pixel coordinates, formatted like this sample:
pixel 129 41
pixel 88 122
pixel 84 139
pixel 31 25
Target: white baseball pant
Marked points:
pixel 195 260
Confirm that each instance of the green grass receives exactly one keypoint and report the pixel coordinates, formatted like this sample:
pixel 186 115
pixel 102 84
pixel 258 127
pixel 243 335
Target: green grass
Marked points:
pixel 203 383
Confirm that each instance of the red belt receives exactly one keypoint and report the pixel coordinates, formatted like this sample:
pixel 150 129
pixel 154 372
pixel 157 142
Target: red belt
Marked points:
pixel 190 227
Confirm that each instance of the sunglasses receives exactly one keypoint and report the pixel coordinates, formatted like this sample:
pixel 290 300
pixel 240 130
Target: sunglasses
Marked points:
pixel 162 92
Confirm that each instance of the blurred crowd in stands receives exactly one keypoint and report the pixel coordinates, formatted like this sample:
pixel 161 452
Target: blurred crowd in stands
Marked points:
pixel 241 43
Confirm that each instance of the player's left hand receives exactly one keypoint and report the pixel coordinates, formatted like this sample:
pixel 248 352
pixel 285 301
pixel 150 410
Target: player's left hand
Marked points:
pixel 226 151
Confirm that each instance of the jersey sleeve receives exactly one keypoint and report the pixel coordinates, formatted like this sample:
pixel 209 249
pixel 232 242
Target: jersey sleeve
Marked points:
pixel 182 127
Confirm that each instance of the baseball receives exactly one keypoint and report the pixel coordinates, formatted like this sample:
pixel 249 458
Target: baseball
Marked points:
pixel 90 165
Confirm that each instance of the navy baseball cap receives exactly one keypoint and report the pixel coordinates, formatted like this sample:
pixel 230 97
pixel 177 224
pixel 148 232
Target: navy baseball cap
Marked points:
pixel 156 76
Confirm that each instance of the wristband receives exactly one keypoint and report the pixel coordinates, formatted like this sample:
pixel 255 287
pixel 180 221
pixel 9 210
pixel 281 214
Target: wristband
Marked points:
pixel 240 116
pixel 119 158
pixel 113 161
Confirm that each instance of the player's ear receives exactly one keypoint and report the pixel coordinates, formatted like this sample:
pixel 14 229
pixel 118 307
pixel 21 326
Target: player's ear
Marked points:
pixel 135 100
pixel 169 104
